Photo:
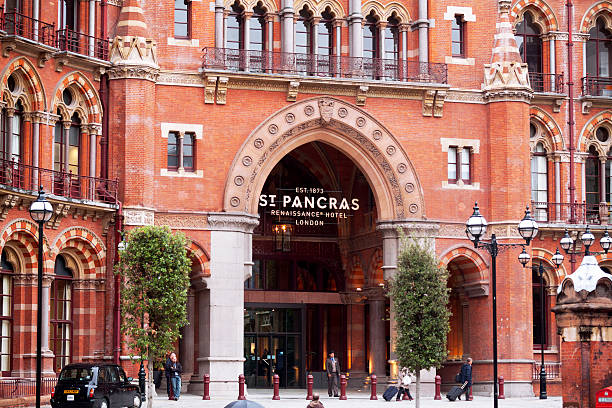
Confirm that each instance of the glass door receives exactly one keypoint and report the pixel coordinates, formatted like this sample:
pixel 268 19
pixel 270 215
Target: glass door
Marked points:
pixel 264 362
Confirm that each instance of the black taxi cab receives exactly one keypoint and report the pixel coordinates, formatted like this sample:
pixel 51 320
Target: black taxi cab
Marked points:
pixel 91 385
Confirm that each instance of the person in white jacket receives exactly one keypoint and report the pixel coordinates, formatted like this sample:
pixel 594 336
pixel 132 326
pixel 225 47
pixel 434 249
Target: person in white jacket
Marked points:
pixel 403 381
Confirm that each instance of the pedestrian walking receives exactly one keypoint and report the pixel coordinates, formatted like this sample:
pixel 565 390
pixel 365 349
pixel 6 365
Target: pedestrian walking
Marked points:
pixel 403 381
pixel 466 376
pixel 174 370
pixel 332 365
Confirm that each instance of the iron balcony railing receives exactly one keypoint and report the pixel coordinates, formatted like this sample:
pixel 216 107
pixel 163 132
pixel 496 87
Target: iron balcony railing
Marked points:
pixel 25 387
pixel 68 40
pixel 549 83
pixel 21 176
pixel 553 370
pixel 596 86
pixel 14 23
pixel 323 65
pixel 577 213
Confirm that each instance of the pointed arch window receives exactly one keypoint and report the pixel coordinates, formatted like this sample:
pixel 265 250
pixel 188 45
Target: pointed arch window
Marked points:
pixel 234 28
pixel 257 29
pixel 608 177
pixel 325 44
pixel 593 183
pixel 69 15
pixel 303 32
pixel 391 35
pixel 10 144
pixel 61 314
pixel 371 46
pixel 528 38
pixel 539 341
pixel 66 147
pixel 539 182
pixel 6 315
pixel 599 50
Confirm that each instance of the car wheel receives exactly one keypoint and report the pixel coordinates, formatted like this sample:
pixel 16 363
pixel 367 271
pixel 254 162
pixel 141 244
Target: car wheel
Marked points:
pixel 104 404
pixel 137 401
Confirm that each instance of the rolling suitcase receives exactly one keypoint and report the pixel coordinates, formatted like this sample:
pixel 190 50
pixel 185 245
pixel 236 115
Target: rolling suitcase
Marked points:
pixel 390 393
pixel 455 392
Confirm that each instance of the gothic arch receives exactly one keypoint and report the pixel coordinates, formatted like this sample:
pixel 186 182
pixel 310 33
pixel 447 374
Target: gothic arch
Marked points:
pixel 27 229
pixel 196 252
pixel 554 140
pixel 471 270
pixel 602 8
pixel 318 7
pixel 587 134
pixel 85 94
pixel 31 82
pixel 384 11
pixel 354 132
pixel 249 5
pixel 544 14
pixel 553 278
pixel 87 262
pixel 89 237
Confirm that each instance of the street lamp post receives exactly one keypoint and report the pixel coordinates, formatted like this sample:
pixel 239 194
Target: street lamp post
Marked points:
pixel 41 211
pixel 476 227
pixel 543 394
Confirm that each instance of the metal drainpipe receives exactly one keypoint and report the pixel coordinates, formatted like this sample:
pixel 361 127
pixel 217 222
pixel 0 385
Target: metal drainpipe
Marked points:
pixel 570 122
pixel 105 102
pixel 117 300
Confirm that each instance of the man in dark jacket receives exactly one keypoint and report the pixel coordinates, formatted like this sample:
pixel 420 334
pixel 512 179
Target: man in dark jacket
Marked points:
pixel 466 376
pixel 174 371
pixel 332 366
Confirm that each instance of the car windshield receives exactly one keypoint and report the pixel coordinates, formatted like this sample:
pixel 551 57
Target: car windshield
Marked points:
pixel 76 374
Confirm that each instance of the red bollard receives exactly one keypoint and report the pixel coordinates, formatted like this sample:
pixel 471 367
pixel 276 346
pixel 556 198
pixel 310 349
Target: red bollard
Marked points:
pixel 470 397
pixel 309 389
pixel 241 387
pixel 374 381
pixel 501 388
pixel 275 380
pixel 342 387
pixel 206 387
pixel 438 386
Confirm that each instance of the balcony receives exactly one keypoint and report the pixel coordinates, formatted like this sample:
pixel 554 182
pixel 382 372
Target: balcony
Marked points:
pixel 26 179
pixel 596 86
pixel 577 213
pixel 546 83
pixel 323 66
pixel 25 27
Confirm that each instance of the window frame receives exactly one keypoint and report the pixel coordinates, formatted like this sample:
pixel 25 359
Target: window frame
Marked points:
pixel 458 24
pixel 176 143
pixel 60 360
pixel 458 164
pixel 186 23
pixel 180 151
pixel 192 136
pixel 536 289
pixel 3 273
pixel 596 40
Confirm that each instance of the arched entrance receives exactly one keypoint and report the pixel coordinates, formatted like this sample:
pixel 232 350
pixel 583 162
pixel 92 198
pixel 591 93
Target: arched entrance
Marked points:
pixel 317 289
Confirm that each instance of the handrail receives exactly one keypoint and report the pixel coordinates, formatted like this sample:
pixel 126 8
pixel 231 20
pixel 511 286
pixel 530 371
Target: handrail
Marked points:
pixel 15 23
pixel 14 174
pixel 596 86
pixel 323 65
pixel 25 387
pixel 583 213
pixel 549 83
pixel 70 40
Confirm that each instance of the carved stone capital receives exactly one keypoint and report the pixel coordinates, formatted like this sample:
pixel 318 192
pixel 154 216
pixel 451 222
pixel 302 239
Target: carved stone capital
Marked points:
pixel 240 222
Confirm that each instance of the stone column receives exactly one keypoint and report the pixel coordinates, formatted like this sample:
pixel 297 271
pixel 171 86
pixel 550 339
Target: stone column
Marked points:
pixel 219 24
pixel 315 37
pixel 553 69
pixel 287 34
pixel 246 18
pixel 47 354
pixel 186 350
pixel 93 133
pixel 35 148
pixel 355 29
pixel 423 24
pixel 602 179
pixel 10 113
pixel 35 16
pixel 221 304
pixel 382 25
pixel 180 141
pixel 376 335
pixel 66 145
pixel 92 26
pixel 558 186
pixel 337 47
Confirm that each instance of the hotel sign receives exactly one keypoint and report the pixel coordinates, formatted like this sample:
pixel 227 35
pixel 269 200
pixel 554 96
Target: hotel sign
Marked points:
pixel 308 205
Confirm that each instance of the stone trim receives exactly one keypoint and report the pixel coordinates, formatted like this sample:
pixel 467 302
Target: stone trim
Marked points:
pixel 232 221
pixel 466 12
pixel 167 127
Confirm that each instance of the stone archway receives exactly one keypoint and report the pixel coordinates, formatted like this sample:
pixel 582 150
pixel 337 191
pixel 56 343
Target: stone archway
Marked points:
pixel 348 128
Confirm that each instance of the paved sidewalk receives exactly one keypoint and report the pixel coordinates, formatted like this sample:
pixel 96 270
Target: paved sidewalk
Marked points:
pixel 297 399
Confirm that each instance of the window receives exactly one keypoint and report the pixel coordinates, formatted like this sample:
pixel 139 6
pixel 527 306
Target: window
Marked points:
pixel 458 36
pixel 6 315
pixel 538 340
pixel 182 15
pixel 391 48
pixel 181 151
pixel 539 182
pixel 592 181
pixel 10 145
pixel 233 29
pixel 69 14
pixel 257 32
pixel 459 167
pixel 608 178
pixel 371 47
pixel 61 314
pixel 325 44
pixel 66 153
pixel 530 47
pixel 303 33
pixel 599 50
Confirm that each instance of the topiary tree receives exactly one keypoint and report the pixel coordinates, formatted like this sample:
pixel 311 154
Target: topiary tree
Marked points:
pixel 155 271
pixel 420 297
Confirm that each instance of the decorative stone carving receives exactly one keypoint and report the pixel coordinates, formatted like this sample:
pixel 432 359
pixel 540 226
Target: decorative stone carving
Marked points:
pixel 362 94
pixel 308 110
pixel 428 102
pixel 222 90
pixel 133 51
pixel 182 221
pixel 232 222
pixel 586 107
pixel 138 216
pixel 209 89
pixel 7 47
pixel 180 79
pixel 326 109
pixel 292 91
pixel 8 201
pixel 60 210
pixel 133 72
pixel 439 103
pixel 43 57
pixel 60 61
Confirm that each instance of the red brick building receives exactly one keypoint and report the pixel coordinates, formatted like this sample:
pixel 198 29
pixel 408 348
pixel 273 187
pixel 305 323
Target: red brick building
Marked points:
pixel 290 139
